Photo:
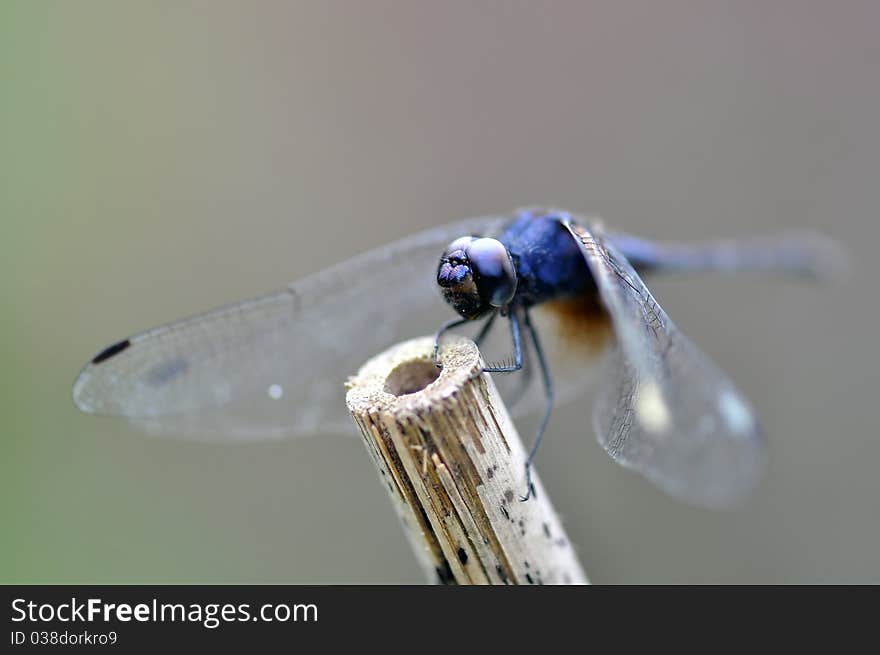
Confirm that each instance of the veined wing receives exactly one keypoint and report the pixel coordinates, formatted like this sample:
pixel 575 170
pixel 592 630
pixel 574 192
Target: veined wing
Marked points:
pixel 663 408
pixel 275 365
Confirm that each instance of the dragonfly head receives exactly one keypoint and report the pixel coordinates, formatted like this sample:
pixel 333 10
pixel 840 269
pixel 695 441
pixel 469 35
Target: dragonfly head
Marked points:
pixel 476 275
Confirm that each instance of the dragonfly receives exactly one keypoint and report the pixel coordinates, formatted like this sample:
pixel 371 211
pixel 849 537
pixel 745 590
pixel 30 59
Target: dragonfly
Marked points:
pixel 274 366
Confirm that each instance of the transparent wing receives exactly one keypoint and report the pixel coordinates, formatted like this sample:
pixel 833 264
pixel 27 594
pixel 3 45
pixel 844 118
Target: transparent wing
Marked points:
pixel 276 365
pixel 663 408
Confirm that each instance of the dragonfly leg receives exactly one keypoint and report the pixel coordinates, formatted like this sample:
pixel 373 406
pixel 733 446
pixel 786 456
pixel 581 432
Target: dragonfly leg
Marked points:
pixel 548 405
pixel 439 333
pixel 525 379
pixel 523 385
pixel 484 331
pixel 517 349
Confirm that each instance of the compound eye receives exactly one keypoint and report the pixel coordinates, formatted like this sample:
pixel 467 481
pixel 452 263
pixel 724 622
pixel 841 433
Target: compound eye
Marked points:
pixel 493 270
pixel 458 246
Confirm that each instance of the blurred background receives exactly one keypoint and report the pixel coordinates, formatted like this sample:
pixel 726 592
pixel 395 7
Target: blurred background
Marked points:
pixel 158 159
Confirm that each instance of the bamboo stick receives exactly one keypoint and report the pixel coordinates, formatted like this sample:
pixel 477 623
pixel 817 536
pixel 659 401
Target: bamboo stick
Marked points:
pixel 453 463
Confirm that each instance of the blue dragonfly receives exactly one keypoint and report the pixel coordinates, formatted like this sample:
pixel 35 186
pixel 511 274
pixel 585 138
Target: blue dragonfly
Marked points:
pixel 274 366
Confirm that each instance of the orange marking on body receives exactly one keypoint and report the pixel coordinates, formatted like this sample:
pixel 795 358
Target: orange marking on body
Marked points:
pixel 581 323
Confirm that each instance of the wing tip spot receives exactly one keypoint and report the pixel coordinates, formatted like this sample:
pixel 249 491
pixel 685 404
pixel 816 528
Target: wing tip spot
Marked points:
pixel 735 412
pixel 111 351
pixel 651 409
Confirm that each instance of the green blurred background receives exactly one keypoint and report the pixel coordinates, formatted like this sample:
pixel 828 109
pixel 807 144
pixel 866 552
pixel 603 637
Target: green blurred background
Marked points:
pixel 160 158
